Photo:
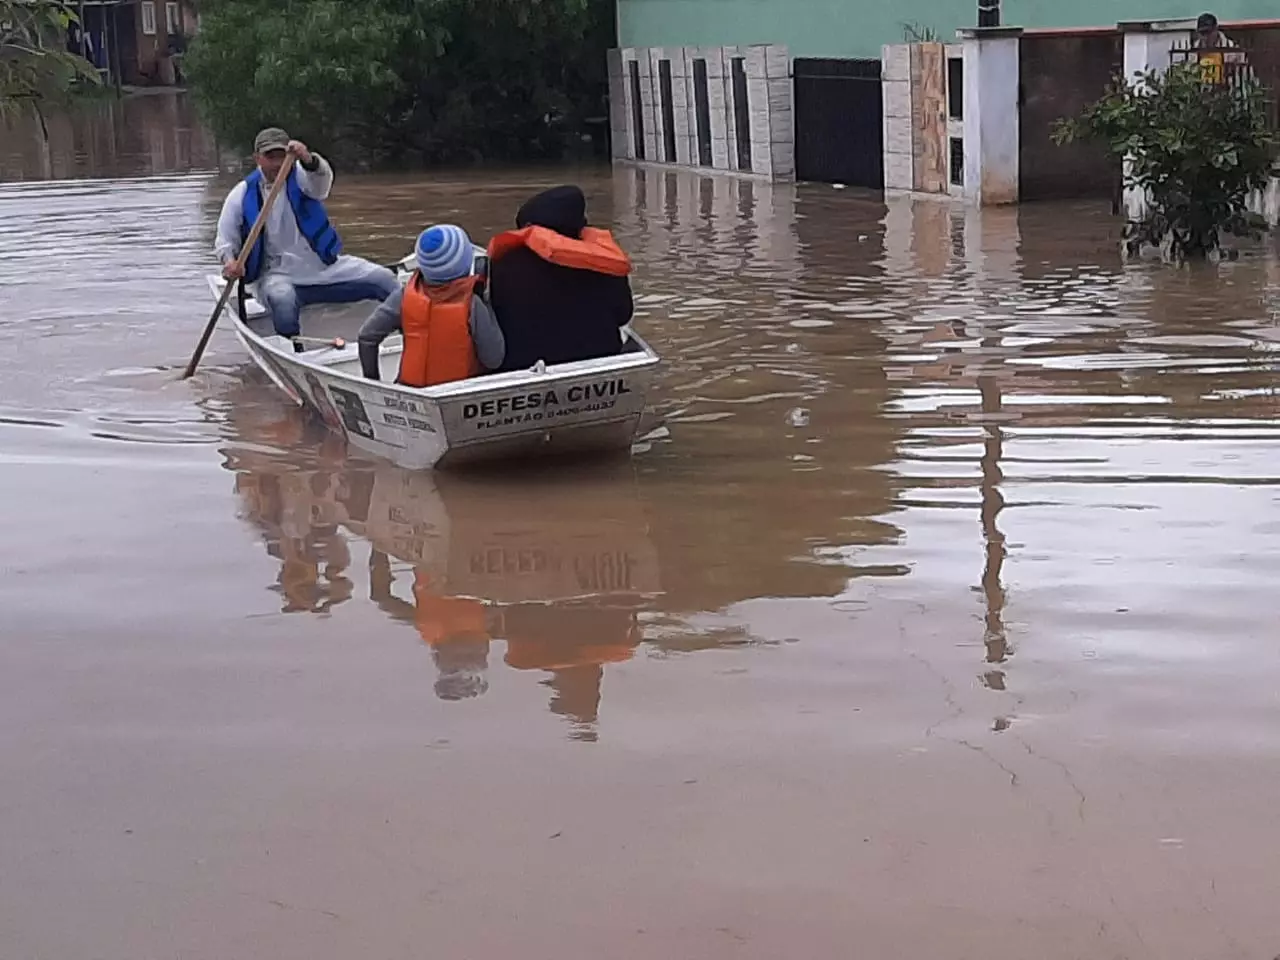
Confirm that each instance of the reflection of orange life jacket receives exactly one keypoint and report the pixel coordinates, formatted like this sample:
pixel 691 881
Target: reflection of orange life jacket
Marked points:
pixel 525 654
pixel 595 251
pixel 552 638
pixel 441 619
pixel 437 333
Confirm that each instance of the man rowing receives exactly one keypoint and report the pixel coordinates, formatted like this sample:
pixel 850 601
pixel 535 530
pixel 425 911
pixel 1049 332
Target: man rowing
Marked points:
pixel 298 259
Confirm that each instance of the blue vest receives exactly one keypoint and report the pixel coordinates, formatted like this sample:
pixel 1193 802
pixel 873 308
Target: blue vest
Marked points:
pixel 313 223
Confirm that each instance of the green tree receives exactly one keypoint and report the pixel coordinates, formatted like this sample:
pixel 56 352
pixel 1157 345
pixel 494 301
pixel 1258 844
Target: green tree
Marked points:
pixel 377 80
pixel 35 67
pixel 1198 149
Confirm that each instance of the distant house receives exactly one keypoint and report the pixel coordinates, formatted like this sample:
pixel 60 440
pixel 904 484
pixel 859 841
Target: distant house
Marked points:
pixel 135 42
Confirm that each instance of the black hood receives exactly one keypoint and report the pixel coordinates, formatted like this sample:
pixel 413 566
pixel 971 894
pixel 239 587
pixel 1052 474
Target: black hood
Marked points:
pixel 562 209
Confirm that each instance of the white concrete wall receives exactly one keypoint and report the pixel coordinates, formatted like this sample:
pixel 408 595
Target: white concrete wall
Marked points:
pixel 769 97
pixel 991 115
pixel 1147 47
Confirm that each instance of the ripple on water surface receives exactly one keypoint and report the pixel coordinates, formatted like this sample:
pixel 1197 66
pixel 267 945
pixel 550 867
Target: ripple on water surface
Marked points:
pixel 952 555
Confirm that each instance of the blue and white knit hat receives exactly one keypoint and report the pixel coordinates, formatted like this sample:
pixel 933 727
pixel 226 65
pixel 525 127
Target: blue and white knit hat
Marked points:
pixel 445 253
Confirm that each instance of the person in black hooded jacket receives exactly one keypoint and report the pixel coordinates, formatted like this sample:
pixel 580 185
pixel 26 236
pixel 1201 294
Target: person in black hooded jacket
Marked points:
pixel 558 288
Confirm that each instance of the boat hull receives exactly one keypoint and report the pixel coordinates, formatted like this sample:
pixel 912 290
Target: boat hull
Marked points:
pixel 593 407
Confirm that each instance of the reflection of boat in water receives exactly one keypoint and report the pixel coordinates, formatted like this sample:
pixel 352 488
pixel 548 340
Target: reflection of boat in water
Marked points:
pixel 301 531
pixel 555 569
pixel 541 539
pixel 565 566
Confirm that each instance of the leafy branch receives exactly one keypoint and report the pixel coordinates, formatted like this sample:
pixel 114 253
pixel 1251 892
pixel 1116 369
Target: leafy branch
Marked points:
pixel 913 32
pixel 35 66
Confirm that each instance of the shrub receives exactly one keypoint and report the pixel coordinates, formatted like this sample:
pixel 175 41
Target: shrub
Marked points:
pixel 378 80
pixel 1198 150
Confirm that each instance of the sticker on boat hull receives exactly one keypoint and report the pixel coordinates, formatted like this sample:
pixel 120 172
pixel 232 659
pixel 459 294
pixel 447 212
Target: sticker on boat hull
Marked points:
pixel 322 404
pixel 352 412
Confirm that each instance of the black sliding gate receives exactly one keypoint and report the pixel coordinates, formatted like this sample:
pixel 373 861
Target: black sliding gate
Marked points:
pixel 839 122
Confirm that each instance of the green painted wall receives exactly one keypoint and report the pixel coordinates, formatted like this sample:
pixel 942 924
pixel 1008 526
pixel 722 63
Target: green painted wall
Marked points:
pixel 844 28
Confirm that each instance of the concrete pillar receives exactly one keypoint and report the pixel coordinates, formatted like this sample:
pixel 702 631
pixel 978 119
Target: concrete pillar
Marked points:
pixel 782 127
pixel 690 108
pixel 758 110
pixel 895 92
pixel 625 145
pixel 648 106
pixel 619 124
pixel 717 104
pixel 991 76
pixel 658 154
pixel 681 81
pixel 1148 43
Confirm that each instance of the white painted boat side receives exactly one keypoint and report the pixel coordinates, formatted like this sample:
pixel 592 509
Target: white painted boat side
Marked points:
pixel 591 405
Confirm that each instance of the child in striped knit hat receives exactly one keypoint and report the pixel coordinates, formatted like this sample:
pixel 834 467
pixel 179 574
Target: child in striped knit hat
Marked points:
pixel 449 331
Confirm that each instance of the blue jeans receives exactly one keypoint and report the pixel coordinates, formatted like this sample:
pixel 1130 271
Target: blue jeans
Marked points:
pixel 285 299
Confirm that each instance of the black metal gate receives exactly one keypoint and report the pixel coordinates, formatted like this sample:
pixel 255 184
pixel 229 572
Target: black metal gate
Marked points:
pixel 839 117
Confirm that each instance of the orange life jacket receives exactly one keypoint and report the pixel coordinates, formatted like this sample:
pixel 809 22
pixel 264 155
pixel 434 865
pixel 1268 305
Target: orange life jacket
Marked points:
pixel 437 333
pixel 595 251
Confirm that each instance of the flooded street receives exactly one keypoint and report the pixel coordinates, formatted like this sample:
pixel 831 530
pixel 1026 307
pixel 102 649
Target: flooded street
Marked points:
pixel 937 617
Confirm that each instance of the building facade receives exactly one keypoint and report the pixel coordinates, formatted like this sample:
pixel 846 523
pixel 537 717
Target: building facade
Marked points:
pixel 844 29
pixel 975 119
pixel 134 42
pixel 968 114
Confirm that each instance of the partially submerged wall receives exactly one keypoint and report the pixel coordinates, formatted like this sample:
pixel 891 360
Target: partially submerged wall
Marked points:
pixel 1061 73
pixel 726 109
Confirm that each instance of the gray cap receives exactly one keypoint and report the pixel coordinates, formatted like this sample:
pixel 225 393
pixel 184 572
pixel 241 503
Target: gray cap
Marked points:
pixel 272 138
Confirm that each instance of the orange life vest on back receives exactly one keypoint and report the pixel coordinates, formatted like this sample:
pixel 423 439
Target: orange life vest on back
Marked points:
pixel 437 333
pixel 595 251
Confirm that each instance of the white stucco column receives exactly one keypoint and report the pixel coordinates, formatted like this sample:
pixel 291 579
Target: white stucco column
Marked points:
pixel 991 74
pixel 1147 47
pixel 1147 43
pixel 619 124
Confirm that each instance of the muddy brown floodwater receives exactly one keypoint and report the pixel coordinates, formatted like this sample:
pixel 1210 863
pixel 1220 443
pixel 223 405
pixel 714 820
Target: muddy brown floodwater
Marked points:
pixel 937 619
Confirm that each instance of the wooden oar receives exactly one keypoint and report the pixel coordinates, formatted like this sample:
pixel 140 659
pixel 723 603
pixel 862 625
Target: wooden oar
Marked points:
pixel 254 233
